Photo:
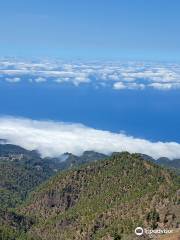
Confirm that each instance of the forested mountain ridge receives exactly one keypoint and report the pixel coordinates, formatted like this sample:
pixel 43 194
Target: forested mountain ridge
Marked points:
pixel 104 199
pixel 21 171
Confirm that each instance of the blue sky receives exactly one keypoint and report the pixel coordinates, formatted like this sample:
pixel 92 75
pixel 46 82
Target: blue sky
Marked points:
pixel 112 66
pixel 120 29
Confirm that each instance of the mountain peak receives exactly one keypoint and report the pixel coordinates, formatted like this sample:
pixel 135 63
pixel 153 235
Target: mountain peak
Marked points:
pixel 111 196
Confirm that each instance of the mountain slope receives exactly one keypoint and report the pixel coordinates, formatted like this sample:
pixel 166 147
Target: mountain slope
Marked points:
pixel 69 160
pixel 7 149
pixel 173 164
pixel 21 171
pixel 166 162
pixel 105 200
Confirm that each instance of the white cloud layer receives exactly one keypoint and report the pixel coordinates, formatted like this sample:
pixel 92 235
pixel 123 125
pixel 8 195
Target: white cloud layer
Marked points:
pixel 54 138
pixel 13 79
pixel 117 75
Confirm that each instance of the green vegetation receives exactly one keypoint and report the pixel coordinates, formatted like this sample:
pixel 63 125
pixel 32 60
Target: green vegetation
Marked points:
pixel 101 200
pixel 21 171
pixel 17 180
pixel 153 218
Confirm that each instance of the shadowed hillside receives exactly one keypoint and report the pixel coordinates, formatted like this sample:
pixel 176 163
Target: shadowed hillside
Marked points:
pixel 21 171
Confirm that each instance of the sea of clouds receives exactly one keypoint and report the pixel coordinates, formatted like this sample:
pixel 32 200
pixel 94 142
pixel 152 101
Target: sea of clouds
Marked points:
pixel 117 75
pixel 55 138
